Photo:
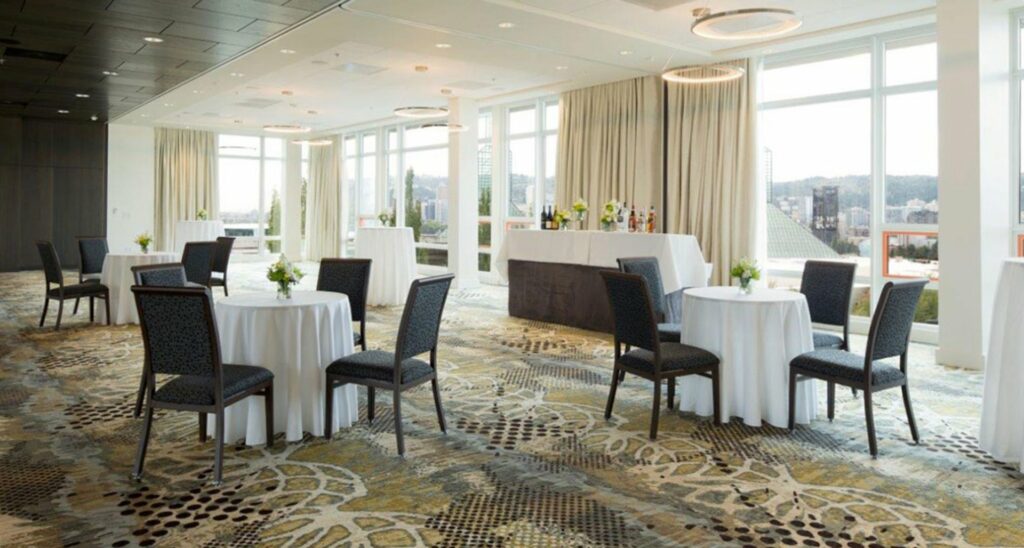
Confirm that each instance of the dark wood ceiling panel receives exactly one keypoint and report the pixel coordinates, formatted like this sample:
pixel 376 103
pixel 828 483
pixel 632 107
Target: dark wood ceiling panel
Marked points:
pixel 52 50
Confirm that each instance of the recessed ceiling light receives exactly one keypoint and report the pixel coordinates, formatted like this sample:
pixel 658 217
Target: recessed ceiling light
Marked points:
pixel 287 92
pixel 506 25
pixel 237 74
pixel 197 91
pixel 421 112
pixel 153 39
pixel 143 116
pixel 561 67
pixel 94 117
pixel 625 52
pixel 708 74
pixel 284 128
pixel 311 112
pixel 62 111
pixel 442 45
pixel 744 24
pixel 109 73
pixel 168 104
pixel 287 51
pixel 82 95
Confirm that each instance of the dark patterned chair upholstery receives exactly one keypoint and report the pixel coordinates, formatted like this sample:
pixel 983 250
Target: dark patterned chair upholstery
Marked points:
pixel 351 277
pixel 55 277
pixel 828 286
pixel 219 273
pixel 91 252
pixel 180 338
pixel 648 268
pixel 633 312
pixel 398 371
pixel 198 260
pixel 889 337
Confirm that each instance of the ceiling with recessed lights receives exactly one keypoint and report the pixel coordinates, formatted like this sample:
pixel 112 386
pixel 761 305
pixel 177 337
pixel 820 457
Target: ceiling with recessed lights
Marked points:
pixel 357 63
pixel 101 58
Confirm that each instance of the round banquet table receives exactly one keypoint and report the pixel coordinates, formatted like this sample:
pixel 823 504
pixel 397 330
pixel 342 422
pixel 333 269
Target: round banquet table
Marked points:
pixel 117 276
pixel 196 231
pixel 393 253
pixel 297 339
pixel 755 337
pixel 1002 412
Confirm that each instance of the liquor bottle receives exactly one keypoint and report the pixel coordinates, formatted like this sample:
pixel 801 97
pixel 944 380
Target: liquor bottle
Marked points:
pixel 652 221
pixel 552 222
pixel 641 221
pixel 544 218
pixel 632 218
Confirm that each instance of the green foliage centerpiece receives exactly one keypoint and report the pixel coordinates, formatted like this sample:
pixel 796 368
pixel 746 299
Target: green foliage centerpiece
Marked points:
pixel 746 271
pixel 610 216
pixel 144 240
pixel 579 212
pixel 562 219
pixel 202 215
pixel 387 218
pixel 285 275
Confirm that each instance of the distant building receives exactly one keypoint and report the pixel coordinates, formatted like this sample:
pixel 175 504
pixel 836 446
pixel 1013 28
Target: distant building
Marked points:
pixel 825 219
pixel 788 239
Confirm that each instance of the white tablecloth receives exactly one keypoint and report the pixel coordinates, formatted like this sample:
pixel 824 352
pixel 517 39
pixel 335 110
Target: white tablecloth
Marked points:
pixel 297 339
pixel 196 231
pixel 393 252
pixel 117 276
pixel 679 256
pixel 1002 412
pixel 755 336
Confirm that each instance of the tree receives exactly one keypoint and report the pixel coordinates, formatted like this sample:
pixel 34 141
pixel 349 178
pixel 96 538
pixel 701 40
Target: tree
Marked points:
pixel 302 207
pixel 413 216
pixel 274 222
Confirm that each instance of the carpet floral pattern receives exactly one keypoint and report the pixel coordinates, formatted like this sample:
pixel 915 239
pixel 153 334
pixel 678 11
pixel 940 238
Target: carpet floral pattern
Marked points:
pixel 528 460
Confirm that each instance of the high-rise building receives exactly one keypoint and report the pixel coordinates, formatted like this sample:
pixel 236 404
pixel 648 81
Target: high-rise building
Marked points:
pixel 825 216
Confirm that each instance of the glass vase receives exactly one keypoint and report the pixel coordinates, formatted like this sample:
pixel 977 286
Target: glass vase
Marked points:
pixel 284 292
pixel 746 286
pixel 145 249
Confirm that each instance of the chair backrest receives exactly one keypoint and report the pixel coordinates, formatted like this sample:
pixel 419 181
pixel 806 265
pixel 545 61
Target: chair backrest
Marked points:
pixel 632 310
pixel 894 318
pixel 178 330
pixel 198 261
pixel 91 251
pixel 223 255
pixel 828 286
pixel 421 320
pixel 348 276
pixel 649 269
pixel 51 263
pixel 160 275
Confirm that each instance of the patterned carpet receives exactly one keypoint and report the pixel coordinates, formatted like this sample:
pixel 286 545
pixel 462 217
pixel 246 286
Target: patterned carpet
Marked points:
pixel 528 460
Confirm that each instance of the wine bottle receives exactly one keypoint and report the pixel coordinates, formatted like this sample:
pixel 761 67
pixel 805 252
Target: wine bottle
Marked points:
pixel 632 218
pixel 544 218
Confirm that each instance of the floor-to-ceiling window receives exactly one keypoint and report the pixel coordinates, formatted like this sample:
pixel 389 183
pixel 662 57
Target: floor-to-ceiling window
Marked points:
pixel 849 158
pixel 250 178
pixel 1017 68
pixel 485 189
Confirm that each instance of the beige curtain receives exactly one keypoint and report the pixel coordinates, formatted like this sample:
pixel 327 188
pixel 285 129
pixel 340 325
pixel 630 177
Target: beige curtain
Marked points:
pixel 712 167
pixel 186 179
pixel 610 145
pixel 323 203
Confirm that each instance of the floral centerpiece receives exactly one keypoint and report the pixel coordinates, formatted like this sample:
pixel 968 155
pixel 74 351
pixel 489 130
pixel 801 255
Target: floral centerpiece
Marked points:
pixel 285 275
pixel 579 212
pixel 610 216
pixel 387 217
pixel 143 240
pixel 746 270
pixel 202 215
pixel 562 219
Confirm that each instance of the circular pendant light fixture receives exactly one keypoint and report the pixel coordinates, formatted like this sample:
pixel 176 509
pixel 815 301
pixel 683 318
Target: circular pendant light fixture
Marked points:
pixel 421 112
pixel 705 74
pixel 452 128
pixel 281 128
pixel 744 24
pixel 312 142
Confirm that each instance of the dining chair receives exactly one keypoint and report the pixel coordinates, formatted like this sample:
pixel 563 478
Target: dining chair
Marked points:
pixel 648 268
pixel 219 273
pixel 400 370
pixel 888 337
pixel 91 252
pixel 198 260
pixel 351 277
pixel 650 358
pixel 828 287
pixel 179 333
pixel 55 276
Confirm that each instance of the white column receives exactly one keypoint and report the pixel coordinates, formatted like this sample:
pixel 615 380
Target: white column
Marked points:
pixel 291 230
pixel 462 201
pixel 974 169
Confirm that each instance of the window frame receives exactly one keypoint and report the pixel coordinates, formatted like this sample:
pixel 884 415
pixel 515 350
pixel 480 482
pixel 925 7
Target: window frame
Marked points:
pixel 261 158
pixel 1016 127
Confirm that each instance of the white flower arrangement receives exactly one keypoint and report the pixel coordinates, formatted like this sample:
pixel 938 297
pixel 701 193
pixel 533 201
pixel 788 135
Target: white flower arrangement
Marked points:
pixel 285 275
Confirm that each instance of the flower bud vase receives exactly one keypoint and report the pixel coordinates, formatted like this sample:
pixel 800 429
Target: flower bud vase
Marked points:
pixel 284 292
pixel 746 286
pixel 145 249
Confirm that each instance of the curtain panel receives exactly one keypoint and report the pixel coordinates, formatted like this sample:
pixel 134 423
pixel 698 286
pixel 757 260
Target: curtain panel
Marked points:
pixel 712 167
pixel 323 202
pixel 610 146
pixel 186 179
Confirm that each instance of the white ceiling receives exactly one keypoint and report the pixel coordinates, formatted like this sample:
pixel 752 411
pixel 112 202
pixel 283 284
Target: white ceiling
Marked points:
pixel 355 64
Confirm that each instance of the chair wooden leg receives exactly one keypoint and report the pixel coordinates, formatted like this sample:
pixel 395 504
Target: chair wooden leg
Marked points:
pixel 371 403
pixel 46 306
pixel 60 313
pixel 140 456
pixel 792 399
pixel 398 421
pixel 218 464
pixel 656 410
pixel 328 407
pixel 202 427
pixel 831 401
pixel 616 379
pixel 869 417
pixel 437 404
pixel 75 311
pixel 141 397
pixel 716 398
pixel 622 375
pixel 854 390
pixel 910 413
pixel 92 308
pixel 106 305
pixel 268 410
pixel 671 393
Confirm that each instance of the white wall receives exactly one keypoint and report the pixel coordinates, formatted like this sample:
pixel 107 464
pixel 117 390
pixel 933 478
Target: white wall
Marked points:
pixel 130 184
